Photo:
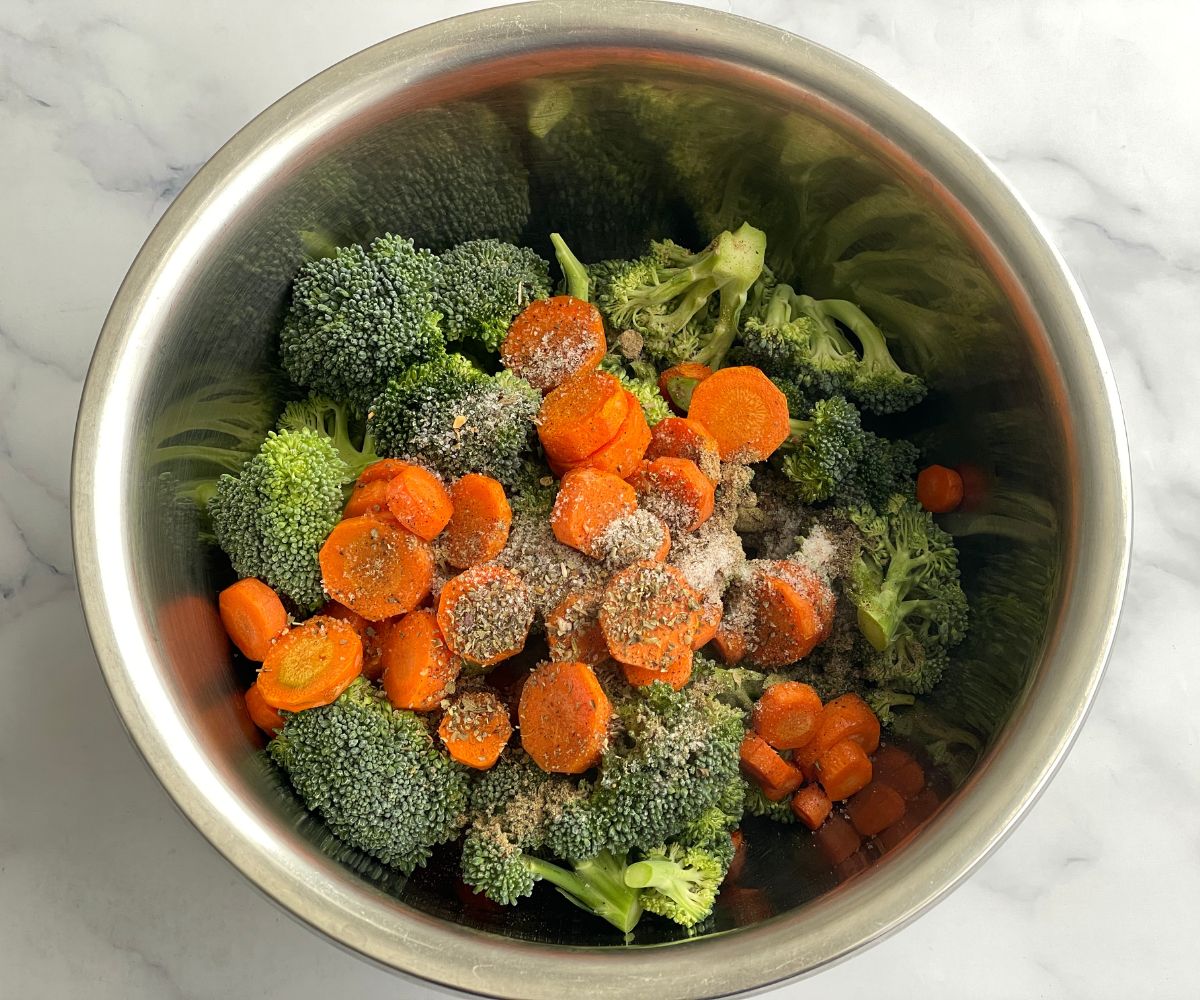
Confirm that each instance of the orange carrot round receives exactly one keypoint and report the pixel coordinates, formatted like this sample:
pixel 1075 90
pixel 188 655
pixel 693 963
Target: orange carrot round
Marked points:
pixel 710 621
pixel 848 717
pixel 552 340
pixel 478 528
pixel 383 470
pixel 676 491
pixel 375 567
pixel 897 768
pixel 573 629
pixel 622 454
pixel 372 634
pixel 366 498
pixel 475 729
pixel 837 840
pixel 310 664
pixel 762 765
pixel 876 807
pixel 588 501
pixel 649 615
pixel 744 411
pixel 252 615
pixel 261 714
pixel 811 806
pixel 485 613
pixel 418 668
pixel 939 490
pixel 787 715
pixel 676 672
pixel 843 769
pixel 677 383
pixel 564 716
pixel 730 642
pixel 794 613
pixel 419 501
pixel 581 416
pixel 679 437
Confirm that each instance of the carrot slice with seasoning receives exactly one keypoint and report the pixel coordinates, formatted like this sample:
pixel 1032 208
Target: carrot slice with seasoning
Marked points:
pixel 787 715
pixel 679 437
pixel 581 416
pixel 475 729
pixel 253 615
pixel 485 614
pixel 478 528
pixel 564 715
pixel 310 664
pixel 419 501
pixel 554 339
pixel 573 629
pixel 649 615
pixel 366 498
pixel 676 491
pixel 744 411
pixel 418 668
pixel 376 567
pixel 588 502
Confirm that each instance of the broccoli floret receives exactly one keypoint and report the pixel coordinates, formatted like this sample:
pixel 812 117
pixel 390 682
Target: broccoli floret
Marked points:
pixel 360 317
pixel 679 883
pixel 356 447
pixel 823 449
pixel 686 306
pixel 482 286
pixel 641 379
pixel 801 337
pixel 757 804
pixel 674 757
pixel 905 587
pixel 375 775
pixel 273 518
pixel 887 467
pixel 457 419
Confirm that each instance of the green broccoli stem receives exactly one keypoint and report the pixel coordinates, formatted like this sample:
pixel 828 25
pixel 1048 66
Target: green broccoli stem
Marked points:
pixel 737 261
pixel 875 350
pixel 671 879
pixel 596 885
pixel 574 272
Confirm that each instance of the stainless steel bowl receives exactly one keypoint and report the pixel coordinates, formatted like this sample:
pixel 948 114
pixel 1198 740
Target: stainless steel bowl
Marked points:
pixel 862 194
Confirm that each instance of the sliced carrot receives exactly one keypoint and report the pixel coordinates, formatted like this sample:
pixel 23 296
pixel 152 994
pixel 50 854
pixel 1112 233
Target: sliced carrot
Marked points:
pixel 677 383
pixel 253 615
pixel 939 490
pixel 710 621
pixel 475 729
pixel 848 717
pixel 573 630
pixel 376 567
pixel 263 715
pixel 811 806
pixel 806 759
pixel 366 498
pixel 384 469
pixel 676 672
pixel 774 775
pixel 794 613
pixel 478 528
pixel 581 416
pixel 419 501
pixel 564 716
pixel 676 491
pixel 552 340
pixel 622 454
pixel 679 437
pixel 310 664
pixel 876 807
pixel 588 501
pixel 837 840
pixel 730 642
pixel 744 411
pixel 843 769
pixel 664 548
pixel 418 668
pixel 649 615
pixel 787 714
pixel 897 768
pixel 371 633
pixel 485 613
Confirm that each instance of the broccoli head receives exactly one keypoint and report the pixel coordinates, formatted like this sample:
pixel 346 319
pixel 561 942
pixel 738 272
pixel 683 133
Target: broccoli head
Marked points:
pixel 802 338
pixel 641 379
pixel 674 756
pixel 686 306
pixel 375 775
pixel 824 449
pixel 679 883
pixel 481 287
pixel 354 445
pixel 273 518
pixel 457 419
pixel 887 467
pixel 905 587
pixel 361 316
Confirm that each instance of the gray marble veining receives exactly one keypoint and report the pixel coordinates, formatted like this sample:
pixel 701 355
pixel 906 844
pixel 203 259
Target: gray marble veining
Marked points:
pixel 106 109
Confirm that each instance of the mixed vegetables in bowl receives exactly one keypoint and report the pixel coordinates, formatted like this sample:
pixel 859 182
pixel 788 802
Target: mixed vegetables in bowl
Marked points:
pixel 581 576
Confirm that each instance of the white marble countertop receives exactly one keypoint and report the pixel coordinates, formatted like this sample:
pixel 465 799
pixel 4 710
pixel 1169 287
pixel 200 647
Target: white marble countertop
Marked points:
pixel 107 107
